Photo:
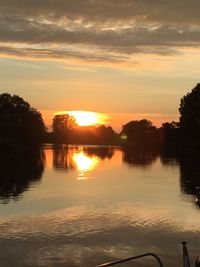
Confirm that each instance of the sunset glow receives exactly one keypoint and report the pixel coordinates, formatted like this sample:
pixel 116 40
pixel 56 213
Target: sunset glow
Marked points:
pixel 99 132
pixel 86 118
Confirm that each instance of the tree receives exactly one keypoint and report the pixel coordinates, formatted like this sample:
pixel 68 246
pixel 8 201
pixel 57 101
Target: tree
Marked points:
pixel 62 124
pixel 141 134
pixel 170 136
pixel 19 122
pixel 138 131
pixel 190 114
pixel 170 131
pixel 105 135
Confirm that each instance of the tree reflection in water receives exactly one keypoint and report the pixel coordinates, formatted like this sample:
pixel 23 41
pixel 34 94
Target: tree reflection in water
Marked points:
pixel 62 160
pixel 190 176
pixel 139 157
pixel 189 173
pixel 20 168
pixel 72 157
pixel 102 152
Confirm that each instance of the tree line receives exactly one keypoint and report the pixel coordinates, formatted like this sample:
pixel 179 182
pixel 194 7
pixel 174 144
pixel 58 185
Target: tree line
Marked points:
pixel 22 124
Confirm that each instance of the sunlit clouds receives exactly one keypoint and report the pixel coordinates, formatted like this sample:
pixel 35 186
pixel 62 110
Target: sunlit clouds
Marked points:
pixel 115 30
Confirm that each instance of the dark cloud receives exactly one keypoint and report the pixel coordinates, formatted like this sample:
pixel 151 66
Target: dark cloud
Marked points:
pixel 116 28
pixel 32 32
pixel 90 10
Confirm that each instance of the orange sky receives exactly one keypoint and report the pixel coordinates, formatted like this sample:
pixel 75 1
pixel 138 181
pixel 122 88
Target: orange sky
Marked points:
pixel 116 120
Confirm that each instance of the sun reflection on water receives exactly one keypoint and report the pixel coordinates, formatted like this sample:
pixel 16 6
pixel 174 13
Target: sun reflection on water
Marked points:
pixel 84 164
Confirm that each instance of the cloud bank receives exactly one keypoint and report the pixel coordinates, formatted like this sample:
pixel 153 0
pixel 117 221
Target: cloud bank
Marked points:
pixel 110 31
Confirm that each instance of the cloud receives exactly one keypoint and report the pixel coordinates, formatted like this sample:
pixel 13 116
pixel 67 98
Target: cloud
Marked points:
pixel 54 54
pixel 95 30
pixel 111 10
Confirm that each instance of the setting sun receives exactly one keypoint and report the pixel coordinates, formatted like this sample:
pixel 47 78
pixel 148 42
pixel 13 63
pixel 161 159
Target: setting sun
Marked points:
pixel 86 118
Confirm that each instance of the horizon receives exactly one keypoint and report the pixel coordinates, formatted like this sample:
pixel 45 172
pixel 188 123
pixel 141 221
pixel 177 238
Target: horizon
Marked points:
pixel 116 121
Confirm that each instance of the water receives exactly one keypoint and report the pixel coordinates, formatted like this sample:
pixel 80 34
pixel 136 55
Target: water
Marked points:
pixel 90 205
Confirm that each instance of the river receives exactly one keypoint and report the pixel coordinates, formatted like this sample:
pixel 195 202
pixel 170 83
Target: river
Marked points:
pixel 86 205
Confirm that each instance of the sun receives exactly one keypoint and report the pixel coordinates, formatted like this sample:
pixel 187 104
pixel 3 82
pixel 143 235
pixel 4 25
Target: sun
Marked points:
pixel 87 118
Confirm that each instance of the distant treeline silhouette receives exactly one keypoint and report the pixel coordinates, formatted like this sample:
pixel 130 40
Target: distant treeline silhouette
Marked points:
pixel 65 130
pixel 22 124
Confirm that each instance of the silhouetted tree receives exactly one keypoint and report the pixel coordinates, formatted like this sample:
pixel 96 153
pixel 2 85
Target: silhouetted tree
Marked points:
pixel 92 135
pixel 170 134
pixel 83 135
pixel 62 124
pixel 19 122
pixel 141 133
pixel 105 135
pixel 190 114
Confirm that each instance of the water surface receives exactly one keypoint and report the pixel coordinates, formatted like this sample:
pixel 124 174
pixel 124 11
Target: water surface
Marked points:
pixel 82 206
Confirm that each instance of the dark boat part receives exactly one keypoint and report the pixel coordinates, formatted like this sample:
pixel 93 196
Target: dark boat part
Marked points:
pixel 186 259
pixel 133 258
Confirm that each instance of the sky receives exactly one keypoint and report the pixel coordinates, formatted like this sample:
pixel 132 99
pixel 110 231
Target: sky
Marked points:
pixel 128 59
